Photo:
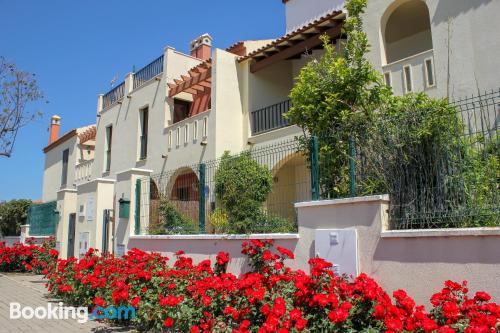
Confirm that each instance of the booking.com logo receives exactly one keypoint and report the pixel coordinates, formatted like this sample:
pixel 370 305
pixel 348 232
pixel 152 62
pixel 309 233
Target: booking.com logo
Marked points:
pixel 81 313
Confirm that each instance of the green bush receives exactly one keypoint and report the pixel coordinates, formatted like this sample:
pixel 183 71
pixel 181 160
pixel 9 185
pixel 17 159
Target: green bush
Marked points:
pixel 241 187
pixel 172 222
pixel 13 214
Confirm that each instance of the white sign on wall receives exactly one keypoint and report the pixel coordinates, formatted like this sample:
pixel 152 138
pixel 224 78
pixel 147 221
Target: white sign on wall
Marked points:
pixel 83 243
pixel 340 247
pixel 120 250
pixel 90 208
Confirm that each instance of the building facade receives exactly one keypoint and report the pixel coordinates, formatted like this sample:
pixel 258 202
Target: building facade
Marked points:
pixel 182 110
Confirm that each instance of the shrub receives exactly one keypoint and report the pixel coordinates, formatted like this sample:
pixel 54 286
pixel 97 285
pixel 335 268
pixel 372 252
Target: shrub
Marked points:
pixel 241 187
pixel 202 297
pixel 219 220
pixel 172 221
pixel 28 258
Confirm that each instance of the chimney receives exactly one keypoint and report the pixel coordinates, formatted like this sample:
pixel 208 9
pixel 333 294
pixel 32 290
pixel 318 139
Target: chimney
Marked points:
pixel 55 123
pixel 201 47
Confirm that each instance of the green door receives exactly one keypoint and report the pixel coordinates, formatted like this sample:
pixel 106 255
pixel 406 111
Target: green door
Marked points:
pixel 71 235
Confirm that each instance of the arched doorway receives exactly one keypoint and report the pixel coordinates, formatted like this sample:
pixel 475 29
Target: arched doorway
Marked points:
pixel 184 192
pixel 405 30
pixel 292 184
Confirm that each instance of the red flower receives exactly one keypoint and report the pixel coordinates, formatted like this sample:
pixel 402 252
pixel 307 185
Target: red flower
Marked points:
pixel 135 301
pixel 285 252
pixel 99 301
pixel 222 258
pixel 169 322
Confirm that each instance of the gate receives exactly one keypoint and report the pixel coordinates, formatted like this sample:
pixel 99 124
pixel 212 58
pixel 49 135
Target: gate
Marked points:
pixel 105 230
pixel 71 235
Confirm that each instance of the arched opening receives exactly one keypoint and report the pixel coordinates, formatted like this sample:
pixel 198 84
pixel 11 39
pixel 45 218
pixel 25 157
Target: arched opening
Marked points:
pixel 406 30
pixel 291 179
pixel 184 192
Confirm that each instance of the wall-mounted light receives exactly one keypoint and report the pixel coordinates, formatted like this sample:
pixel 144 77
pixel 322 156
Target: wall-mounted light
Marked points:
pixel 203 143
pixel 164 156
pixel 129 96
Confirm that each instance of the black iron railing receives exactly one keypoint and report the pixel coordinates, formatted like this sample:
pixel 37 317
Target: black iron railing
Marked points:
pixel 113 95
pixel 269 118
pixel 148 72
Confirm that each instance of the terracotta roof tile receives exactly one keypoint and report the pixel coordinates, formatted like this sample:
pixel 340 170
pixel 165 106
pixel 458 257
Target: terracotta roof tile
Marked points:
pixel 290 36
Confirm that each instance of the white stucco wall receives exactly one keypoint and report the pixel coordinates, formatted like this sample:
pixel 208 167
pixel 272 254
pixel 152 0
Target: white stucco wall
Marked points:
pixel 464 34
pixel 418 261
pixel 300 12
pixel 53 168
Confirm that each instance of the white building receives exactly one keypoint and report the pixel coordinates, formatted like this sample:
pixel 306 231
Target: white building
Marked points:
pixel 182 110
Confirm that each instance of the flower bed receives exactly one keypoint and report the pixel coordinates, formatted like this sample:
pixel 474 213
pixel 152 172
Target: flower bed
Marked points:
pixel 28 258
pixel 185 297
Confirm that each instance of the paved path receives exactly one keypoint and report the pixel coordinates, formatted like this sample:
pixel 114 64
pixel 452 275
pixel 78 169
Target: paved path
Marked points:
pixel 29 290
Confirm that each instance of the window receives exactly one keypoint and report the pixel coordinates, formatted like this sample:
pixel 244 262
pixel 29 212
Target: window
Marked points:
pixel 387 79
pixel 64 174
pixel 407 79
pixel 186 133
pixel 205 127
pixel 181 109
pixel 109 136
pixel 143 138
pixel 429 73
pixel 195 130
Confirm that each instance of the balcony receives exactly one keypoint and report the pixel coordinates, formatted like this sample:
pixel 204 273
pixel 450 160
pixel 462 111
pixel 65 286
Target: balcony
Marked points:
pixel 113 96
pixel 141 77
pixel 83 171
pixel 412 74
pixel 269 118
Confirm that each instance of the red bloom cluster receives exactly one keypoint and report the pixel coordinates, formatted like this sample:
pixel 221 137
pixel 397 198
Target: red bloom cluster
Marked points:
pixel 190 297
pixel 29 257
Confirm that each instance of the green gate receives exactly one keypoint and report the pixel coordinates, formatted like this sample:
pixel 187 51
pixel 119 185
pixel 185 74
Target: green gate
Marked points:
pixel 42 219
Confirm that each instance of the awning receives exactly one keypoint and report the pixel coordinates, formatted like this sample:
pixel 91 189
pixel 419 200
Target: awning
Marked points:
pixel 198 80
pixel 297 42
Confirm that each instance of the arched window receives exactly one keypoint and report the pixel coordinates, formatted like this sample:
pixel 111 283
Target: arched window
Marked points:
pixel 406 30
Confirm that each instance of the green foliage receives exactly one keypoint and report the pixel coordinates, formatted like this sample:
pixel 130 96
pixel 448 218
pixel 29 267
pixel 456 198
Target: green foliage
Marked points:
pixel 172 222
pixel 336 96
pixel 219 220
pixel 411 146
pixel 241 187
pixel 13 214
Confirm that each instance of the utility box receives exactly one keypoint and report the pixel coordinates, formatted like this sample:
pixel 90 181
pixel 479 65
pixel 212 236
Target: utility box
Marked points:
pixel 340 247
pixel 124 208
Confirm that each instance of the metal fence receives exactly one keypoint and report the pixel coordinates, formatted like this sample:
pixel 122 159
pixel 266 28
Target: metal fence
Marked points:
pixel 113 95
pixel 191 192
pixel 148 72
pixel 43 218
pixel 450 181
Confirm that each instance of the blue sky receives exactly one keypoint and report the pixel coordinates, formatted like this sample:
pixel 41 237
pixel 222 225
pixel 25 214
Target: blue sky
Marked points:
pixel 76 47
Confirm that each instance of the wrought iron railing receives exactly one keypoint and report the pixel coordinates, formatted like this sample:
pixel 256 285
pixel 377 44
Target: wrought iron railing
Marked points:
pixel 269 118
pixel 148 72
pixel 114 95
